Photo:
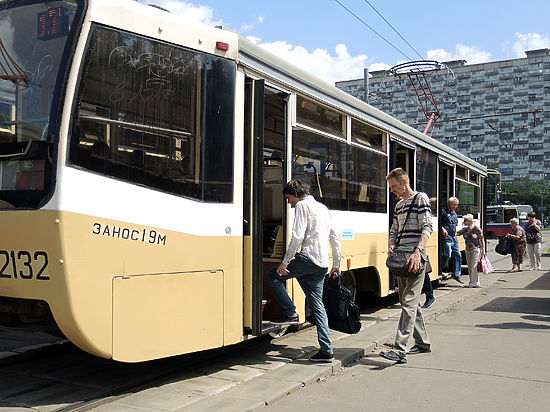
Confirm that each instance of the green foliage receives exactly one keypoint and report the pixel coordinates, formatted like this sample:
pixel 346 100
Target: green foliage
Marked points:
pixel 525 191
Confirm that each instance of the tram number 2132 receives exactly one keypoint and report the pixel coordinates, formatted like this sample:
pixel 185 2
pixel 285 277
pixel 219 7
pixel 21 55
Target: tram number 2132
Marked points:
pixel 23 264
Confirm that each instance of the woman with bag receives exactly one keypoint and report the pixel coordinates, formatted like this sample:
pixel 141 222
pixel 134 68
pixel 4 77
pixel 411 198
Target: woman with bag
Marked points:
pixel 534 240
pixel 475 248
pixel 518 245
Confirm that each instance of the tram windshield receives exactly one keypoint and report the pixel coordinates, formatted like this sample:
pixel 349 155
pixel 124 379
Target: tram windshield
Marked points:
pixel 33 38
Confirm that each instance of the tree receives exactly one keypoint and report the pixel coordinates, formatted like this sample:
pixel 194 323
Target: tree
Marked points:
pixel 528 192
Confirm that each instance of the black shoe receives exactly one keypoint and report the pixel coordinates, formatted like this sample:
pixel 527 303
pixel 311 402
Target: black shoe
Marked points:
pixel 458 280
pixel 287 320
pixel 418 349
pixel 394 357
pixel 321 357
pixel 429 302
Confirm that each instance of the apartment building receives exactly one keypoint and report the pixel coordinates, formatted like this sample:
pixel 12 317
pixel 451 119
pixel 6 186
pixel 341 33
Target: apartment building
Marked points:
pixel 496 113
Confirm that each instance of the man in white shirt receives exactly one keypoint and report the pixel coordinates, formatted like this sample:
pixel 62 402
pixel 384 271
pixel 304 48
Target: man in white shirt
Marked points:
pixel 307 260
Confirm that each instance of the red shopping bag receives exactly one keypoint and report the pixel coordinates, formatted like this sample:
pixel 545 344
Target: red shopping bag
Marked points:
pixel 485 266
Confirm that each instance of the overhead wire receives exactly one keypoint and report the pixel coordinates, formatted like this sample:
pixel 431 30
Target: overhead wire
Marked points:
pixel 374 31
pixel 394 29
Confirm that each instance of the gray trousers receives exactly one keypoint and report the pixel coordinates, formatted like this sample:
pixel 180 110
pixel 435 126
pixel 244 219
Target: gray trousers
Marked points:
pixel 411 321
pixel 472 257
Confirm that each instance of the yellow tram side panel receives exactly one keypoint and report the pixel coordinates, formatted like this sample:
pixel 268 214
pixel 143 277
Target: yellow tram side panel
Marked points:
pixel 367 250
pixel 132 300
pixel 31 233
pixel 371 250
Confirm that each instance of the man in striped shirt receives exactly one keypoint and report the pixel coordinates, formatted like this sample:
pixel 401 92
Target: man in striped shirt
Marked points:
pixel 416 231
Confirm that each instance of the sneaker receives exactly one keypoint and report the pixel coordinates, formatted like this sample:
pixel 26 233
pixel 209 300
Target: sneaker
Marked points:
pixel 457 278
pixel 418 349
pixel 287 320
pixel 322 357
pixel 394 357
pixel 429 302
pixel 540 267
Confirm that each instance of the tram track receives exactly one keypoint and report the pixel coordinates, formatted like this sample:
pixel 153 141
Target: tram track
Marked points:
pixel 61 377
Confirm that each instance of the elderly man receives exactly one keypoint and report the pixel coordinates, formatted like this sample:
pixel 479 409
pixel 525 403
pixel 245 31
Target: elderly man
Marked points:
pixel 451 249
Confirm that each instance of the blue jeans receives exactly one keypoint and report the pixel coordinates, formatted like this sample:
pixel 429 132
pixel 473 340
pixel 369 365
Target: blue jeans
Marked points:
pixel 311 278
pixel 451 251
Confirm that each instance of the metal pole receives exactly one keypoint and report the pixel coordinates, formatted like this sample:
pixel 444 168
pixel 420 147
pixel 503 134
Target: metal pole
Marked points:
pixel 430 121
pixel 541 207
pixel 366 83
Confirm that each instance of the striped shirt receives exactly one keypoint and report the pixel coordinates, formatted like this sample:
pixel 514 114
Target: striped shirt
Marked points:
pixel 419 222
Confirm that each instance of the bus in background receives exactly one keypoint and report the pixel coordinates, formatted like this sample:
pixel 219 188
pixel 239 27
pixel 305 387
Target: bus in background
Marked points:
pixel 499 216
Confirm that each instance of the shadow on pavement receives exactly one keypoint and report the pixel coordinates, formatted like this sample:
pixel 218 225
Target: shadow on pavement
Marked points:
pixel 539 306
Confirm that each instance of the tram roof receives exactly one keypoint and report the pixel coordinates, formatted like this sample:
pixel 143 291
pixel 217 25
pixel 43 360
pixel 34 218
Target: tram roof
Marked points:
pixel 259 59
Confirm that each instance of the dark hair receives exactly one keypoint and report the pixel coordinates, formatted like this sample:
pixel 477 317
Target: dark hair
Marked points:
pixel 531 214
pixel 296 188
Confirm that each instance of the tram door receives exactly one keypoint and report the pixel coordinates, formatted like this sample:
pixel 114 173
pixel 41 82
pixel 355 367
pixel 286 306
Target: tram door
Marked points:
pixel 264 205
pixel 402 156
pixel 445 190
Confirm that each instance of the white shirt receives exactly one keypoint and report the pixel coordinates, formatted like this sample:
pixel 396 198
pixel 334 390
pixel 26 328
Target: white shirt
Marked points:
pixel 313 231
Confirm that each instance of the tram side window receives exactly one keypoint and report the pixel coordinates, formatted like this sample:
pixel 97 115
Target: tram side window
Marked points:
pixel 320 162
pixel 320 117
pixel 426 173
pixel 468 198
pixel 341 176
pixel 366 135
pixel 367 181
pixel 156 115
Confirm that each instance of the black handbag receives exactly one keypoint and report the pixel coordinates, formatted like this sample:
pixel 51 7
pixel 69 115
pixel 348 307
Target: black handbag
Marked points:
pixel 397 260
pixel 343 315
pixel 504 246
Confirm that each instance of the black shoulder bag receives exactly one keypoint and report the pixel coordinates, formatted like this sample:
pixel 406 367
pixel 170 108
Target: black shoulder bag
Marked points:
pixel 343 315
pixel 397 261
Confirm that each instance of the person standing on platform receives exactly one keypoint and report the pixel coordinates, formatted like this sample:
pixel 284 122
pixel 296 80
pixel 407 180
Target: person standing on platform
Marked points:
pixel 451 249
pixel 415 230
pixel 475 248
pixel 518 244
pixel 534 240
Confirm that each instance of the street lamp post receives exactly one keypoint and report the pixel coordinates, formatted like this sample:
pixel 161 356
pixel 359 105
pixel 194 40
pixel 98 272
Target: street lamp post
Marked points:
pixel 542 208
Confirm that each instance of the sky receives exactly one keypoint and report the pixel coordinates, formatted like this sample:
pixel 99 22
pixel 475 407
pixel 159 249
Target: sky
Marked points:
pixel 325 39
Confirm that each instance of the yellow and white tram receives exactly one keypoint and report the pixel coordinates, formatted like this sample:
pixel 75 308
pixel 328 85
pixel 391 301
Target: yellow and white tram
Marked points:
pixel 142 158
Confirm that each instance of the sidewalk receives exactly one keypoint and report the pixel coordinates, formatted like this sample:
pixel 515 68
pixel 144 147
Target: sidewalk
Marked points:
pixel 270 372
pixel 488 354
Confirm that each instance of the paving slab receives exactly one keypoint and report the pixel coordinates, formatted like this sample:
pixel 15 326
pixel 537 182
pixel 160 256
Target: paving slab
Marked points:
pixel 159 399
pixel 225 403
pixel 261 389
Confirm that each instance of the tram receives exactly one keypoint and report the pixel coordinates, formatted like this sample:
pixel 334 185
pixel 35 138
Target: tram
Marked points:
pixel 142 158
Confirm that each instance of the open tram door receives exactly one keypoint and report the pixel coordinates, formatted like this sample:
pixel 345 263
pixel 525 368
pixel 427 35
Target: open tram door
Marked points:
pixel 264 214
pixel 401 155
pixel 444 192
